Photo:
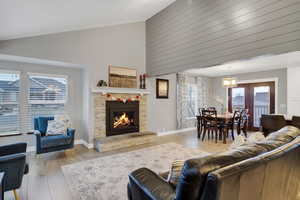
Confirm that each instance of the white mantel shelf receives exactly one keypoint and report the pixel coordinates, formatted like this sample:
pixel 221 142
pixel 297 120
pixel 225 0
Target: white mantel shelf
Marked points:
pixel 120 90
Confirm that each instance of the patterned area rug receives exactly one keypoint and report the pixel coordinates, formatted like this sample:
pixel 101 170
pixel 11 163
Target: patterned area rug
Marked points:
pixel 106 178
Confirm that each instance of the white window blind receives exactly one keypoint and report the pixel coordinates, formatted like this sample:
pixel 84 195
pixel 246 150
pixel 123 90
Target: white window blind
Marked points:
pixel 9 102
pixel 47 96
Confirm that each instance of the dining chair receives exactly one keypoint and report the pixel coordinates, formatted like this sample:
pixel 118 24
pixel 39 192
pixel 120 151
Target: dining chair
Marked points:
pixel 210 123
pixel 244 122
pixel 236 122
pixel 200 124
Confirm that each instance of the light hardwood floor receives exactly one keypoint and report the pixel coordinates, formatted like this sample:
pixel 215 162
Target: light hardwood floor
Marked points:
pixel 46 180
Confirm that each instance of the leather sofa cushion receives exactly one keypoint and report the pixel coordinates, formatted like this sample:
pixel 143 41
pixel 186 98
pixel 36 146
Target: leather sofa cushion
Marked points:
pixel 55 141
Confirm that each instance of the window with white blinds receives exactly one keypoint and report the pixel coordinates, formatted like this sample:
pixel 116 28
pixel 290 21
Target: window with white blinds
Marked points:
pixel 24 97
pixel 9 102
pixel 47 95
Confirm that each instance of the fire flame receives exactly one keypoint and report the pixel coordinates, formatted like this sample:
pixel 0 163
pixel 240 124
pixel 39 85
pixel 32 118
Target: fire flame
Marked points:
pixel 123 120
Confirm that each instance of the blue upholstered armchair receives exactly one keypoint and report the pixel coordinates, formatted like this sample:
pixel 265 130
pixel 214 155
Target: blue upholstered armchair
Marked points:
pixel 13 164
pixel 45 144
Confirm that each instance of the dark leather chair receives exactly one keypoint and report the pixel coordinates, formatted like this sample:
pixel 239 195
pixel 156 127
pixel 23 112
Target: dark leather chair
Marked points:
pixel 1 186
pixel 272 123
pixel 296 121
pixel 243 173
pixel 13 164
pixel 46 144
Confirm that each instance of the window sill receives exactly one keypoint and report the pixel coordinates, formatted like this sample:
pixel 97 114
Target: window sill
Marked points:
pixel 10 134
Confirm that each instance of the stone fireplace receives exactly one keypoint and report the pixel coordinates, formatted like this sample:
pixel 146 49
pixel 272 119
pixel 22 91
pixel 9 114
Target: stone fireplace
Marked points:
pixel 122 118
pixel 109 111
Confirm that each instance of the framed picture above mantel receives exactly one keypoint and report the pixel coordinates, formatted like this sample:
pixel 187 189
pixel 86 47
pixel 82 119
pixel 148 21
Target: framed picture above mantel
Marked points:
pixel 122 77
pixel 162 88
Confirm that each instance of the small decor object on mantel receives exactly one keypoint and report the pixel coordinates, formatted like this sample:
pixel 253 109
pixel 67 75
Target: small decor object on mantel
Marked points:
pixel 101 83
pixel 122 77
pixel 162 88
pixel 143 81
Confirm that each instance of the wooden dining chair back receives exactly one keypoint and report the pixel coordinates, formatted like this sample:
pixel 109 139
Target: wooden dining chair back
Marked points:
pixel 210 122
pixel 237 115
pixel 206 113
pixel 200 122
pixel 244 122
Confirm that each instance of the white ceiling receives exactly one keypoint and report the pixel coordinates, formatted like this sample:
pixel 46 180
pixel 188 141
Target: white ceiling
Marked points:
pixel 258 64
pixel 37 17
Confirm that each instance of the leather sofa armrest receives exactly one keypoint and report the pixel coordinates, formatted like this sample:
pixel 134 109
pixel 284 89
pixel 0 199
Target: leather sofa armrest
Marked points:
pixel 13 149
pixel 145 184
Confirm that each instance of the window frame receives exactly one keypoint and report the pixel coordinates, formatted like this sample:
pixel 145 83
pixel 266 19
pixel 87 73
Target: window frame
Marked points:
pixel 24 97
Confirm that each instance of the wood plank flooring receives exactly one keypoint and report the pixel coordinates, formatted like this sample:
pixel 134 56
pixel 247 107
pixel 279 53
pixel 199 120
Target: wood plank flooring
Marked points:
pixel 46 180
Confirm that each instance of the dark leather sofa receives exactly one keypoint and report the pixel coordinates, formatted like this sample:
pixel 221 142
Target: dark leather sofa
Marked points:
pixel 46 144
pixel 268 170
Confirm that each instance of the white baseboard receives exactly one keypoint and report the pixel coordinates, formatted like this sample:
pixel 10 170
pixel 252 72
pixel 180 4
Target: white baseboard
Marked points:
pixel 84 143
pixel 176 131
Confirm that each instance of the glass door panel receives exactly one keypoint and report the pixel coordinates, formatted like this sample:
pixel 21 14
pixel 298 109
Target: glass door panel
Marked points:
pixel 238 98
pixel 257 98
pixel 261 104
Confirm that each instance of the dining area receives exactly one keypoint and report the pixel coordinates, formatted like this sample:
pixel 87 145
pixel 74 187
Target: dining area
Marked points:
pixel 218 126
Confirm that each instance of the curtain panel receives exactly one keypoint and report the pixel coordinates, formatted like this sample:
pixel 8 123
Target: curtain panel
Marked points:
pixel 193 92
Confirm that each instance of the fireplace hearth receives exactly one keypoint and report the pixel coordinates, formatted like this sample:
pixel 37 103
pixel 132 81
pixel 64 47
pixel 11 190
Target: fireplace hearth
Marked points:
pixel 122 118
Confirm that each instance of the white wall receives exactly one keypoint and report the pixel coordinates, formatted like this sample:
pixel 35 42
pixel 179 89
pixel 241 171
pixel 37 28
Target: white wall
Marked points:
pixel 162 112
pixel 122 45
pixel 293 91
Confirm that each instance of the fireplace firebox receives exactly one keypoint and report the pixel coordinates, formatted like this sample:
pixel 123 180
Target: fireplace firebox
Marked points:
pixel 122 118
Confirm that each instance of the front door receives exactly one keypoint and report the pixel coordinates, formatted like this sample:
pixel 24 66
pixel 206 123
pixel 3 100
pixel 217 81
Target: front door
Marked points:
pixel 258 98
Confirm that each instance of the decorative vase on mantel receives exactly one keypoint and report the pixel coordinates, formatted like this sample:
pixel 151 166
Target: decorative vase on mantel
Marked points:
pixel 143 81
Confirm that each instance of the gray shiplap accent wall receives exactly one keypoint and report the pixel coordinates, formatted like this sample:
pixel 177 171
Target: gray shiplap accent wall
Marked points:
pixel 203 33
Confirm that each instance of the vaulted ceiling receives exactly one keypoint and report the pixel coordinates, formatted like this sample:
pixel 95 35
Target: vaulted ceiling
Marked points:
pixel 35 17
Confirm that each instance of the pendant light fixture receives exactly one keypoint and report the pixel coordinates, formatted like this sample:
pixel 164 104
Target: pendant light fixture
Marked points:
pixel 229 82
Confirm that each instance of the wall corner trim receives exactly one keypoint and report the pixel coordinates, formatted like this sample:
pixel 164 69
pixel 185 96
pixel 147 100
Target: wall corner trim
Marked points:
pixel 84 143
